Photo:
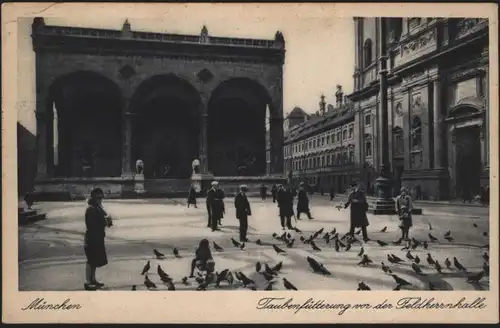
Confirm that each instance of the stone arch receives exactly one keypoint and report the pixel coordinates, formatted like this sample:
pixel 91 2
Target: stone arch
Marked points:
pixel 237 127
pixel 84 126
pixel 166 126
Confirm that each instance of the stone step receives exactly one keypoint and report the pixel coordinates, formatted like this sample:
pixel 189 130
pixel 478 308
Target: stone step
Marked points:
pixel 33 217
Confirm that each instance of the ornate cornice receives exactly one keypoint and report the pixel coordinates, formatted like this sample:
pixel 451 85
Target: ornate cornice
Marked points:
pixel 111 42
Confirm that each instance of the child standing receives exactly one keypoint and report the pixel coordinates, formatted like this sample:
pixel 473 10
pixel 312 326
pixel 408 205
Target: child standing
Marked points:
pixel 203 258
pixel 403 208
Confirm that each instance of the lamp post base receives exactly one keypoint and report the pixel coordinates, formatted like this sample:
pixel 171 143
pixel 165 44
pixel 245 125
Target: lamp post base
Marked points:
pixel 384 204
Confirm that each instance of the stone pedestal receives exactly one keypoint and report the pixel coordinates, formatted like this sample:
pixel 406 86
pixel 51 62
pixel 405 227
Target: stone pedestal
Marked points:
pixel 384 204
pixel 139 184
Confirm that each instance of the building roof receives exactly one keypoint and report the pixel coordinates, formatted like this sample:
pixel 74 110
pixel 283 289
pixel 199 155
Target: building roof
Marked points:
pixel 297 112
pixel 318 123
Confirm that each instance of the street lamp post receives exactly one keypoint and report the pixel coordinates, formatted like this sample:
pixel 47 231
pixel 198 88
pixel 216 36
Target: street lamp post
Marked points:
pixel 384 204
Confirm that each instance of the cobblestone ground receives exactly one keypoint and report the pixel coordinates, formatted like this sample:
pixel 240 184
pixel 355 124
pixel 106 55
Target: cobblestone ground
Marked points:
pixel 51 256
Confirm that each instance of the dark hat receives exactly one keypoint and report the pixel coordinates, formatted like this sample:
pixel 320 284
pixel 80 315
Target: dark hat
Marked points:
pixel 96 192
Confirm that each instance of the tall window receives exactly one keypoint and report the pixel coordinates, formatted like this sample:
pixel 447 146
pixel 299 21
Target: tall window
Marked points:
pixel 344 135
pixel 367 51
pixel 351 155
pixel 416 133
pixel 338 136
pixel 398 140
pixel 351 132
pixel 368 145
pixel 368 119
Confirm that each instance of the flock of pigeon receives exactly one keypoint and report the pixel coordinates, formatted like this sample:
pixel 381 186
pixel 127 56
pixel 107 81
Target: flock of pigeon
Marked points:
pixel 329 239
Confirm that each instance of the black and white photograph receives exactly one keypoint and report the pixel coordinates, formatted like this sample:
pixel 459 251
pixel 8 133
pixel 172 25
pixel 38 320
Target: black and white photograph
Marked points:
pixel 331 153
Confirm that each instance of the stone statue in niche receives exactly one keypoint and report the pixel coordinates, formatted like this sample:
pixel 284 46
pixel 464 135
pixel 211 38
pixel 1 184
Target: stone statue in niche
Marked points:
pixel 139 166
pixel 196 166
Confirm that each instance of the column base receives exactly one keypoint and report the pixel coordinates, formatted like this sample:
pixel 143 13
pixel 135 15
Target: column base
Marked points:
pixel 383 206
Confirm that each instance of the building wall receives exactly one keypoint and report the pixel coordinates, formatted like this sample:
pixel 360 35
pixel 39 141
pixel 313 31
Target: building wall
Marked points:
pixel 437 106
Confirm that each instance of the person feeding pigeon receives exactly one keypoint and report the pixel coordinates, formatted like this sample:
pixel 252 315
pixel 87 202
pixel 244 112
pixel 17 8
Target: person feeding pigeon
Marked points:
pixel 359 206
pixel 242 211
pixel 403 208
pixel 96 221
pixel 203 258
pixel 303 202
pixel 285 204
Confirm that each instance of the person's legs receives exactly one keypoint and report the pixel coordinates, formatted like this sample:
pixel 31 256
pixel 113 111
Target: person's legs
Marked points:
pixel 365 233
pixel 309 214
pixel 298 214
pixel 89 274
pixel 351 230
pixel 282 219
pixel 289 222
pixel 193 265
pixel 215 220
pixel 243 229
pixel 209 216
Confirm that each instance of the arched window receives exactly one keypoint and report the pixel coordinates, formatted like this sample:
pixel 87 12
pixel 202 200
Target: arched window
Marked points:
pixel 367 52
pixel 398 141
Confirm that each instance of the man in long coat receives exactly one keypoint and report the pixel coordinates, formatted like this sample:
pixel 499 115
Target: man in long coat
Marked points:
pixel 359 206
pixel 303 203
pixel 285 204
pixel 274 191
pixel 215 205
pixel 243 211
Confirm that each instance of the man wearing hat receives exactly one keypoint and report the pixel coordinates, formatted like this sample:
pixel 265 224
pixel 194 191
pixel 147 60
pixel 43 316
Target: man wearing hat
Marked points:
pixel 285 204
pixel 303 203
pixel 215 205
pixel 242 211
pixel 359 206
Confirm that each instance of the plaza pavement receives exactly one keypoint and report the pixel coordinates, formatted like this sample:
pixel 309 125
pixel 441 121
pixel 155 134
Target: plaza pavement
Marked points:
pixel 51 256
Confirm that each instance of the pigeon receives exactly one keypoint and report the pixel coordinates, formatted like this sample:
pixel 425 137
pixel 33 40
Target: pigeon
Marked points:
pixel 365 260
pixel 278 250
pixel 476 277
pixel 242 246
pixel 341 244
pixel 384 229
pixel 390 259
pixel 246 281
pixel 176 252
pixel 430 260
pixel 320 231
pixel 146 268
pixel 217 247
pixel 288 285
pixel 203 285
pixel 486 268
pixel 221 277
pixel 184 281
pixel 339 206
pixel 385 268
pixel 277 267
pixel 333 231
pixel 258 266
pixel 363 286
pixel 432 238
pixel 230 278
pixel 450 239
pixel 398 287
pixel 302 239
pixel 486 257
pixel 485 234
pixel 317 267
pixel 348 247
pixel 417 259
pixel 400 281
pixel 458 265
pixel 398 242
pixel 134 287
pixel 409 256
pixel 288 236
pixel 148 283
pixel 275 235
pixel 425 245
pixel 269 286
pixel 337 245
pixel 158 254
pixel 396 259
pixel 290 243
pixel 438 266
pixel 235 243
pixel 447 263
pixel 474 225
pixel 163 275
pixel 417 269
pixel 431 286
pixel 430 226
pixel 448 233
pixel 361 252
pixel 253 288
pixel 314 247
pixel 326 236
pixel 258 242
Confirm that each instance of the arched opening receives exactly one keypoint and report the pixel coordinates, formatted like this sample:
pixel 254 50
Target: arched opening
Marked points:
pixel 367 52
pixel 84 131
pixel 166 127
pixel 237 128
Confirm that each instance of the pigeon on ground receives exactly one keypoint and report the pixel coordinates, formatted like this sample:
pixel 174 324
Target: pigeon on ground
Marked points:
pixel 317 267
pixel 314 247
pixel 148 283
pixel 430 260
pixel 384 229
pixel 448 233
pixel 269 286
pixel 158 254
pixel 246 281
pixel 486 257
pixel 184 281
pixel 134 287
pixel 409 256
pixel 146 268
pixel 288 285
pixel 278 250
pixel 277 267
pixel 176 252
pixel 396 259
pixel 438 266
pixel 363 286
pixel 361 252
pixel 235 243
pixel 432 238
pixel 400 281
pixel 217 247
pixel 385 268
pixel 290 243
pixel 425 244
pixel 458 265
pixel 365 260
pixel 417 269
pixel 164 277
pixel 258 242
pixel 447 263
pixel 450 239
pixel 476 277
pixel 258 266
pixel 417 259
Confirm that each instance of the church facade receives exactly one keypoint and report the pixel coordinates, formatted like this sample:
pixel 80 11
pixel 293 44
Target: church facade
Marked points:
pixel 108 98
pixel 438 91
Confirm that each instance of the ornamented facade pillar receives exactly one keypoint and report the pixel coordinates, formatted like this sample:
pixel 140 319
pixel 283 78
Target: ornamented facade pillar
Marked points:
pixel 438 128
pixel 203 137
pixel 127 143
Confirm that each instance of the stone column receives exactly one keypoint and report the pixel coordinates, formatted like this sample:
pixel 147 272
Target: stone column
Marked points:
pixel 438 128
pixel 127 143
pixel 277 141
pixel 41 140
pixel 203 137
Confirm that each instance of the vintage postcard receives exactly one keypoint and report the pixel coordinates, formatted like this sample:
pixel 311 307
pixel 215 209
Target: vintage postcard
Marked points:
pixel 250 163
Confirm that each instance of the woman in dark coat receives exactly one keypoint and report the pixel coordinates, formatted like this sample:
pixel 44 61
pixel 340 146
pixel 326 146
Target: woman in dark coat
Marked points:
pixel 359 207
pixel 285 204
pixel 303 203
pixel 192 197
pixel 96 221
